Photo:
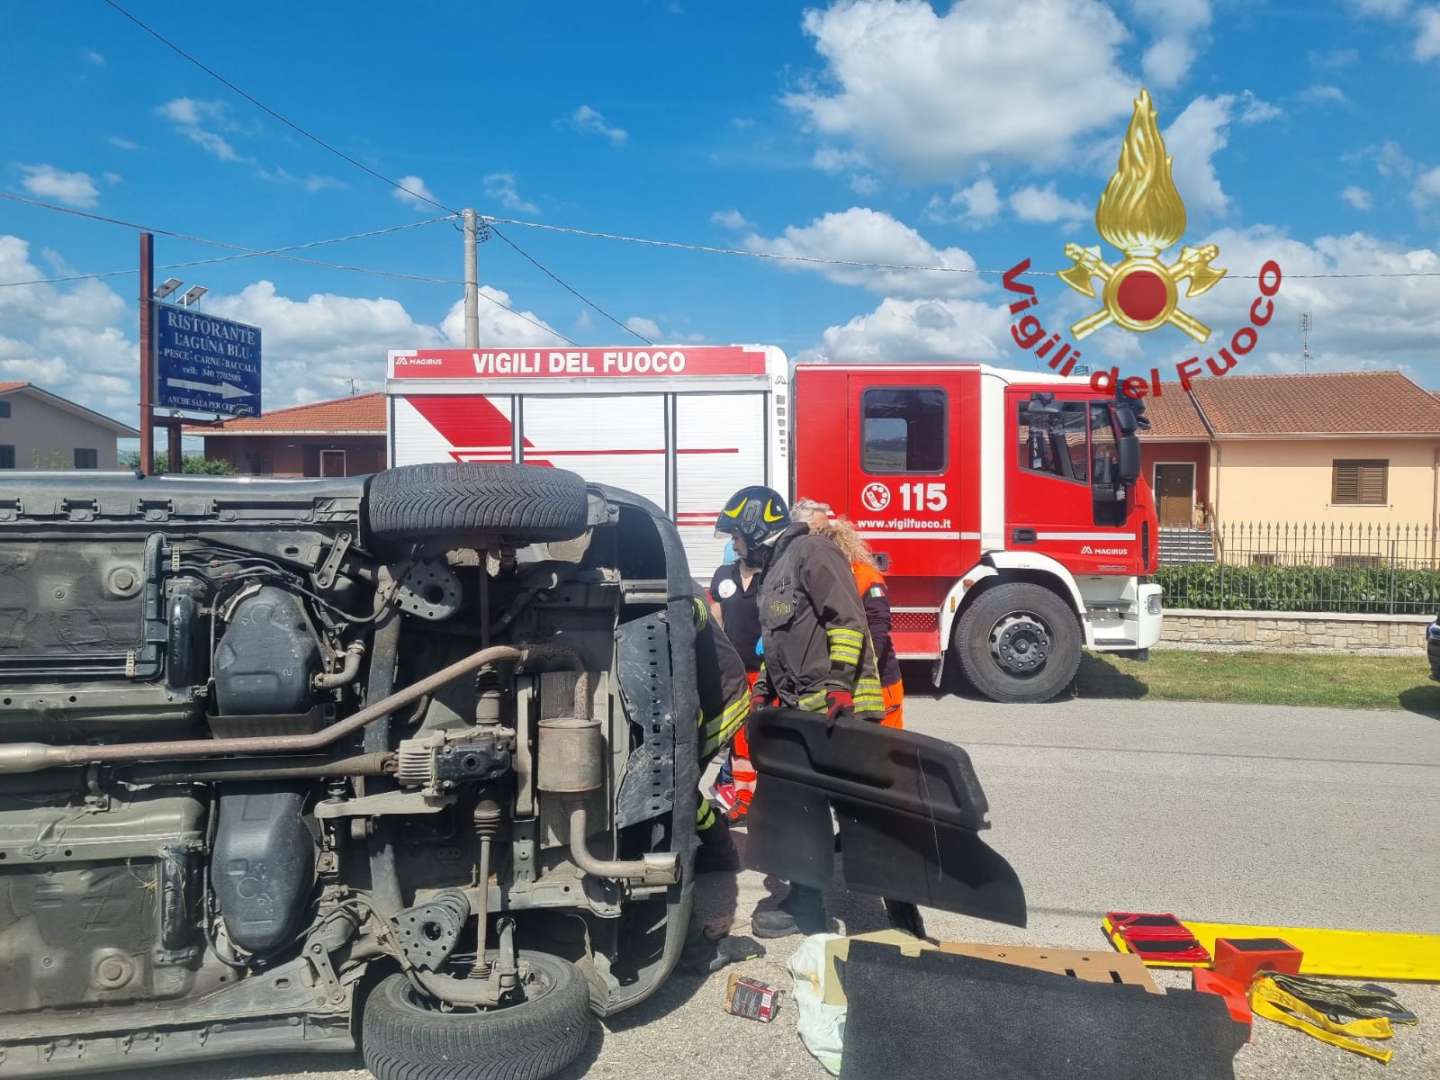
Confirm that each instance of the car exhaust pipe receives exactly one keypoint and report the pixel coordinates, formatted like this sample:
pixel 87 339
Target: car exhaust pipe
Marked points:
pixel 572 765
pixel 32 757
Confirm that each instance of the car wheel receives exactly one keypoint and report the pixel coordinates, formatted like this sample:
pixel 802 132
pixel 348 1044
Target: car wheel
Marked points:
pixel 407 1037
pixel 422 502
pixel 1018 643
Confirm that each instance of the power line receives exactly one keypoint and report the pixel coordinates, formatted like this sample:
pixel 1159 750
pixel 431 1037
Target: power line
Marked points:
pixel 567 287
pixel 360 164
pixel 253 253
pixel 857 264
pixel 278 116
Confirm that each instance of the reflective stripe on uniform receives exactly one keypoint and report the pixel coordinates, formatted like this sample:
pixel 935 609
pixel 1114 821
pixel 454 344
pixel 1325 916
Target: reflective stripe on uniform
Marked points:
pixel 845 644
pixel 719 731
pixel 704 815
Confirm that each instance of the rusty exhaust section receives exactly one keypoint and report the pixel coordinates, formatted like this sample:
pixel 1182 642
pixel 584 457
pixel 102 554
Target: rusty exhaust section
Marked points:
pixel 32 757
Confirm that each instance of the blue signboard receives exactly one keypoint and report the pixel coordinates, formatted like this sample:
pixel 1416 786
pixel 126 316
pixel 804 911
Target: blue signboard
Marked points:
pixel 205 364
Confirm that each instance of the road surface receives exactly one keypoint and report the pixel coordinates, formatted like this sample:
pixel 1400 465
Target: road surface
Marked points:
pixel 1259 814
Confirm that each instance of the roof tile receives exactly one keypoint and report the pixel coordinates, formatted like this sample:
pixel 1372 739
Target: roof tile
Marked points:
pixel 357 413
pixel 1329 403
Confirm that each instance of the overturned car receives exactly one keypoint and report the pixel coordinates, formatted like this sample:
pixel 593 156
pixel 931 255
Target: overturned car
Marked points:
pixel 408 760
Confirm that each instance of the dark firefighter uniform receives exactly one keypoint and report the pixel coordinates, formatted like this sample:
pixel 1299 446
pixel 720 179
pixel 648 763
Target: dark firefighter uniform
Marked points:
pixel 724 697
pixel 816 642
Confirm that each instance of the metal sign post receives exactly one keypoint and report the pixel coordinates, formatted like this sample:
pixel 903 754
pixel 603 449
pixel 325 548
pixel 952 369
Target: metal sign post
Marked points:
pixel 147 354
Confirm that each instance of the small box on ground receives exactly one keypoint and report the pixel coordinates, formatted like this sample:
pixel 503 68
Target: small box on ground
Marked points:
pixel 751 999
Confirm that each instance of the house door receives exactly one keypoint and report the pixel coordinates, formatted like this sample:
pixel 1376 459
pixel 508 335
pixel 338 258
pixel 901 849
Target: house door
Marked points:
pixel 1175 492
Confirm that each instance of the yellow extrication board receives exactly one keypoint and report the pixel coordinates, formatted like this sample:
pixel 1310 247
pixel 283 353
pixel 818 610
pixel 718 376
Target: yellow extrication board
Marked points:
pixel 1351 954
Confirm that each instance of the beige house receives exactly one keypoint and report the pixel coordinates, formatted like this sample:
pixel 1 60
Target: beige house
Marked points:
pixel 1344 448
pixel 41 430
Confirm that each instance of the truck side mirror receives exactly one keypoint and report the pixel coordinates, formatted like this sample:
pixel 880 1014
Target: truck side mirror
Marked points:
pixel 1128 448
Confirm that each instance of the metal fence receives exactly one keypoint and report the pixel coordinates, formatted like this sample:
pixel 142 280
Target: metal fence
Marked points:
pixel 1312 566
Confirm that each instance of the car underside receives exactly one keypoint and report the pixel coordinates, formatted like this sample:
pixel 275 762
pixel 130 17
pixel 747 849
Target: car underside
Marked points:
pixel 407 760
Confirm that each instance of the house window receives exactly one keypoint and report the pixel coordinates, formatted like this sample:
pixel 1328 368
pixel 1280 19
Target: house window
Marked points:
pixel 332 462
pixel 86 459
pixel 1357 562
pixel 1053 439
pixel 904 431
pixel 4 410
pixel 1359 483
pixel 7 457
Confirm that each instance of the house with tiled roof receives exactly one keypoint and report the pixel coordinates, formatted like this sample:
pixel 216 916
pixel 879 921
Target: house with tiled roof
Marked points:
pixel 343 437
pixel 41 430
pixel 1345 447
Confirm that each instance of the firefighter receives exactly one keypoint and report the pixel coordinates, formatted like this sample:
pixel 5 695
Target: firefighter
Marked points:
pixel 734 601
pixel 818 655
pixel 870 583
pixel 724 704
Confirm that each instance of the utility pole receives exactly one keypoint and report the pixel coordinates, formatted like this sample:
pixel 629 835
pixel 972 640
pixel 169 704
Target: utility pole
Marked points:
pixel 472 283
pixel 147 354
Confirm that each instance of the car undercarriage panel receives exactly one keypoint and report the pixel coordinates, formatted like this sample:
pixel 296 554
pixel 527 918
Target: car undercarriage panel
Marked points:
pixel 909 809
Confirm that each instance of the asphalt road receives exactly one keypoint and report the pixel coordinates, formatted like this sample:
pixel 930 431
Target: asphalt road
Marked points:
pixel 1318 817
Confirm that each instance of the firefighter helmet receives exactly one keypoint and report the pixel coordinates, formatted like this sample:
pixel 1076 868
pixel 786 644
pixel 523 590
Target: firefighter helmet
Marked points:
pixel 756 513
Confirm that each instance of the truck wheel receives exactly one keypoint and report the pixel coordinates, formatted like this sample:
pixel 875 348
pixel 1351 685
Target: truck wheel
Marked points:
pixel 405 1037
pixel 1018 643
pixel 421 502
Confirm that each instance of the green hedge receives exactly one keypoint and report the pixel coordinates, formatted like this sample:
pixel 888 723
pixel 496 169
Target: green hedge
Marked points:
pixel 1301 588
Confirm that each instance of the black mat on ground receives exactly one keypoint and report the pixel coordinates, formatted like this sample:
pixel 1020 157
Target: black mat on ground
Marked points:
pixel 938 1015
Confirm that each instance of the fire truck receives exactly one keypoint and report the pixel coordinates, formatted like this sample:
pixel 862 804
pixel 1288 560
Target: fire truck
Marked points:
pixel 1007 508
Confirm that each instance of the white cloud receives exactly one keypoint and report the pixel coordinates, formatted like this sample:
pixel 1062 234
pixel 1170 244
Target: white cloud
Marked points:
pixel 731 219
pixel 932 329
pixel 863 235
pixel 198 121
pixel 1032 203
pixel 1361 322
pixel 1357 197
pixel 592 122
pixel 976 205
pixel 501 186
pixel 644 327
pixel 864 184
pixel 917 90
pixel 71 188
pixel 1427 188
pixel 1182 29
pixel 1323 94
pixel 1255 111
pixel 1334 59
pixel 98 59
pixel 77 339
pixel 1193 139
pixel 113 178
pixel 314 183
pixel 66 338
pixel 741 123
pixel 122 143
pixel 1427 33
pixel 832 160
pixel 415 194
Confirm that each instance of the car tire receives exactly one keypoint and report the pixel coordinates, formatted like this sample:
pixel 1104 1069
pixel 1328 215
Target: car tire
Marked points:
pixel 1018 643
pixel 405 1038
pixel 421 502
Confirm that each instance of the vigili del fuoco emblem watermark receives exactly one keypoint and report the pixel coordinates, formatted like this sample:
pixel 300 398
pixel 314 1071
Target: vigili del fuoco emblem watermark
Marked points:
pixel 1141 214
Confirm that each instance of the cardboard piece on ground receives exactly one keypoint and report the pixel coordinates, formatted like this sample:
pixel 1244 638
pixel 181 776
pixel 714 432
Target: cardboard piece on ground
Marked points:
pixel 1091 966
pixel 1346 954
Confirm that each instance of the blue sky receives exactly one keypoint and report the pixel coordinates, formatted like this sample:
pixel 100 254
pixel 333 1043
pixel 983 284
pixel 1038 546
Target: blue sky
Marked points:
pixel 972 134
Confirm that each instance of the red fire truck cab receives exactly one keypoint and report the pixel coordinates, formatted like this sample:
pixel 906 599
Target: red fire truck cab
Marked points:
pixel 1006 507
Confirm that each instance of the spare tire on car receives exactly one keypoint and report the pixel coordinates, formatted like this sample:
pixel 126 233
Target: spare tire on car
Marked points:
pixel 407 1038
pixel 421 502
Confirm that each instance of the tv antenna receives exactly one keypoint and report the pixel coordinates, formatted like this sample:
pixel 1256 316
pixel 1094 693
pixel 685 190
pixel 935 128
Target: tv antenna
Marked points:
pixel 1305 341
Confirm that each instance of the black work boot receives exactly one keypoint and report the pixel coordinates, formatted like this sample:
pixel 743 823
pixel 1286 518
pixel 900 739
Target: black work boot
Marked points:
pixel 801 912
pixel 717 854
